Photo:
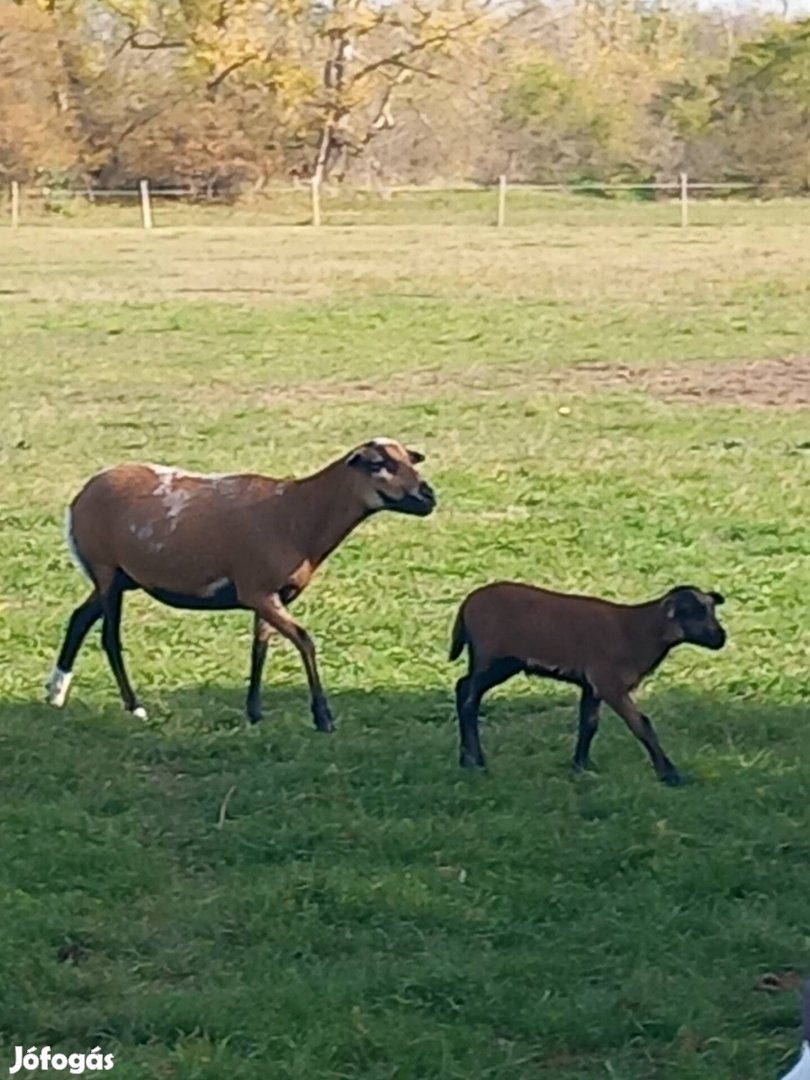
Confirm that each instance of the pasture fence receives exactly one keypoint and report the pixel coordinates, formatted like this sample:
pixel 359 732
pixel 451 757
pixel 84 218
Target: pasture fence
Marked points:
pixel 306 202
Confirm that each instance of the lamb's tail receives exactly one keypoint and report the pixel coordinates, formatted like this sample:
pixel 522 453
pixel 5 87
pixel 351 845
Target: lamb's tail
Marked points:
pixel 458 638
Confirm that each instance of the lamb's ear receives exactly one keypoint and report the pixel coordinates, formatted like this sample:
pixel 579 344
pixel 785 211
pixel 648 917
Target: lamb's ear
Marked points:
pixel 670 607
pixel 718 598
pixel 415 457
pixel 367 459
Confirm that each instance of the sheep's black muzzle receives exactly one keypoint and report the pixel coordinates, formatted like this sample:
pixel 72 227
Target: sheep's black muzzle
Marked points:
pixel 421 502
pixel 714 639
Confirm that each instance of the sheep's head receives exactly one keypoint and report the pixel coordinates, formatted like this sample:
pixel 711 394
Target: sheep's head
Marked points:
pixel 692 618
pixel 389 480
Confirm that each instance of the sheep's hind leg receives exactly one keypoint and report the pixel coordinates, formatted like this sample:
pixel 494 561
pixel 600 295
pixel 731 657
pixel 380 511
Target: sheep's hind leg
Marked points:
pixel 79 625
pixel 111 642
pixel 588 726
pixel 469 691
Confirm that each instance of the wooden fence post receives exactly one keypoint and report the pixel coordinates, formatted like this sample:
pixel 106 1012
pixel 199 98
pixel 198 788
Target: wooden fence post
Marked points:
pixel 146 205
pixel 684 200
pixel 15 204
pixel 316 200
pixel 501 200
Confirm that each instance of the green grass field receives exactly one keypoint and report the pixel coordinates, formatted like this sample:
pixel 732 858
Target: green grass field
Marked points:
pixel 365 910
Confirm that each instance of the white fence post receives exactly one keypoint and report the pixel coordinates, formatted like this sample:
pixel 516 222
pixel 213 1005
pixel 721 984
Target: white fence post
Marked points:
pixel 501 200
pixel 15 204
pixel 316 200
pixel 146 205
pixel 684 200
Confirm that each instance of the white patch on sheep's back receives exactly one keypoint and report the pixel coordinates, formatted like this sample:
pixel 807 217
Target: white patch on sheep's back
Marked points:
pixel 58 687
pixel 71 543
pixel 171 473
pixel 175 499
pixel 227 484
pixel 215 586
pixel 175 502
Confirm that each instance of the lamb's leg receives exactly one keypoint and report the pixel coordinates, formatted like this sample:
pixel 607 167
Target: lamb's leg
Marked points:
pixel 643 730
pixel 588 726
pixel 469 692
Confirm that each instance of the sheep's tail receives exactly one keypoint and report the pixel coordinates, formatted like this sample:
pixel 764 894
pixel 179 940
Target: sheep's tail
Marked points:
pixel 458 638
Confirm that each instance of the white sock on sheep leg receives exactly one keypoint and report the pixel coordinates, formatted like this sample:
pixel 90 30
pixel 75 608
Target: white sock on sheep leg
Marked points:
pixel 57 687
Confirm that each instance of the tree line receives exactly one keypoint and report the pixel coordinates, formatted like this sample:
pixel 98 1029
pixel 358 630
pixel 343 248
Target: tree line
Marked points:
pixel 226 96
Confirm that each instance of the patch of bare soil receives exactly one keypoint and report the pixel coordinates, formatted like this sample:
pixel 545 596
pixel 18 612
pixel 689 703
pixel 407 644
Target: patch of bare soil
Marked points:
pixel 782 383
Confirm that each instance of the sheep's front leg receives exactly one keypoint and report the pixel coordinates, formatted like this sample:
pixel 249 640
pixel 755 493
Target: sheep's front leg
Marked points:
pixel 262 632
pixel 643 730
pixel 272 611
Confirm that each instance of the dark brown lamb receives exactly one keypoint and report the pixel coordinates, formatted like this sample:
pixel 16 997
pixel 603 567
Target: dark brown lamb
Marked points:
pixel 604 648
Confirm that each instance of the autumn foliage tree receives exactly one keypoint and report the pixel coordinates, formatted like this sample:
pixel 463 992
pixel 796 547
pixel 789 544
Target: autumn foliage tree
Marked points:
pixel 37 122
pixel 226 95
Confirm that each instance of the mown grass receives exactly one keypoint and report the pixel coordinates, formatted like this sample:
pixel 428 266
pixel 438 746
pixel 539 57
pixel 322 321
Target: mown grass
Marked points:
pixel 365 910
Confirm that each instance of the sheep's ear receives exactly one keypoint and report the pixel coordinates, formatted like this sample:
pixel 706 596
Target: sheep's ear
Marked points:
pixel 415 457
pixel 718 598
pixel 367 459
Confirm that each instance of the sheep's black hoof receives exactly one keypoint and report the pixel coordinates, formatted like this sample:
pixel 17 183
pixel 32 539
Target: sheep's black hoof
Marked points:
pixel 673 780
pixel 582 767
pixel 470 761
pixel 253 708
pixel 322 717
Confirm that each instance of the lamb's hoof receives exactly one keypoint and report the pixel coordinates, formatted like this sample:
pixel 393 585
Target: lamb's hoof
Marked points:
pixel 140 713
pixel 253 716
pixel 57 688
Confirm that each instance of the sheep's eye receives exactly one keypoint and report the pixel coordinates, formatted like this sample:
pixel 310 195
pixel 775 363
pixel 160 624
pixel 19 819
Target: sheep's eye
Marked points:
pixel 386 465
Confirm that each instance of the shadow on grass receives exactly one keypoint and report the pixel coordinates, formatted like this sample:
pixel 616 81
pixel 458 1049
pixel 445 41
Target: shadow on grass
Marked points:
pixel 699 730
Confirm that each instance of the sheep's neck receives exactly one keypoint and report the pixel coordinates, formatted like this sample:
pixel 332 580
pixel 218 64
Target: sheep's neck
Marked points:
pixel 329 513
pixel 654 646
